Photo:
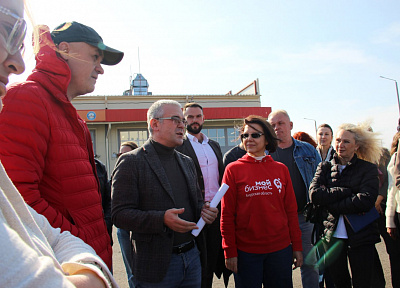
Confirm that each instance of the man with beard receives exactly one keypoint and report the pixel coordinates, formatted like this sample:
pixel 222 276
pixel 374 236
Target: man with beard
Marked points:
pixel 207 157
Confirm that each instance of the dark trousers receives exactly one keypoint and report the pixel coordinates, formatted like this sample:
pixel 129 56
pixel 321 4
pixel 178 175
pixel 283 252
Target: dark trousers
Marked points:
pixel 361 260
pixel 213 240
pixel 378 278
pixel 393 249
pixel 184 271
pixel 273 270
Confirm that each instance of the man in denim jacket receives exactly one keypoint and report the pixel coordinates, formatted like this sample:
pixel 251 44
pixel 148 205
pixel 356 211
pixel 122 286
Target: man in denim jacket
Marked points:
pixel 301 159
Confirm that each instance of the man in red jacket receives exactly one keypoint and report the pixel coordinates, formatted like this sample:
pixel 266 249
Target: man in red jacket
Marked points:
pixel 45 146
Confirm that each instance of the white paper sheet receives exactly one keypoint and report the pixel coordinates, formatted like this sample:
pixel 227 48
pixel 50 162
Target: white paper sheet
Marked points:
pixel 214 203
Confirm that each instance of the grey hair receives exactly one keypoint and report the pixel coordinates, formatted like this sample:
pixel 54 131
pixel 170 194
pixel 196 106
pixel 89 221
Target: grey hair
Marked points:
pixel 156 110
pixel 276 112
pixel 368 142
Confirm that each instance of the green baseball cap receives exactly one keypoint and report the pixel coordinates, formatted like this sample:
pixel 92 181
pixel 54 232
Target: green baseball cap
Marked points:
pixel 77 32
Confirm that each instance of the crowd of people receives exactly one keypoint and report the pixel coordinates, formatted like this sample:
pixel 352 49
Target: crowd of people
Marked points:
pixel 58 205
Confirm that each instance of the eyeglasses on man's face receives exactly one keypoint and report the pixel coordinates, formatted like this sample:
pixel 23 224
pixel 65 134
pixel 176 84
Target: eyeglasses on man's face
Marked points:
pixel 253 135
pixel 14 34
pixel 177 120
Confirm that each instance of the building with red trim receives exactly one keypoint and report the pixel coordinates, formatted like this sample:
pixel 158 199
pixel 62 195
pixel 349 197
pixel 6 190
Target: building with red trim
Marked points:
pixel 116 119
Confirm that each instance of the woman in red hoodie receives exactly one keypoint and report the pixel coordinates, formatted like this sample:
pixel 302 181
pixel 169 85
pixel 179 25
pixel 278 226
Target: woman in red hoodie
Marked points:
pixel 259 225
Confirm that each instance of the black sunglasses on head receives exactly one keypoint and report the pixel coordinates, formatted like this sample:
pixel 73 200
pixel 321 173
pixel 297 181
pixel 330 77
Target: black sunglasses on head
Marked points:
pixel 253 135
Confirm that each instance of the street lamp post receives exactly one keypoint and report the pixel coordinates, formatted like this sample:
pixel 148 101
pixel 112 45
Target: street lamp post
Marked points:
pixel 397 90
pixel 315 124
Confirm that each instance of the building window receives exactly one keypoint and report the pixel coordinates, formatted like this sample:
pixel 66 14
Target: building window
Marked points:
pixel 93 136
pixel 233 136
pixel 226 137
pixel 139 136
pixel 216 134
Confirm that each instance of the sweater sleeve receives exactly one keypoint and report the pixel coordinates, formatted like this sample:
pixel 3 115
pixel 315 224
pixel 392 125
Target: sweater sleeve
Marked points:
pixel 228 212
pixel 24 138
pixel 397 168
pixel 291 212
pixel 72 253
pixel 391 202
pixel 21 266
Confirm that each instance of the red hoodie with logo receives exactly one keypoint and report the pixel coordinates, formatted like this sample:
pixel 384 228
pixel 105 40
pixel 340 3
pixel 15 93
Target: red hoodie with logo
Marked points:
pixel 259 210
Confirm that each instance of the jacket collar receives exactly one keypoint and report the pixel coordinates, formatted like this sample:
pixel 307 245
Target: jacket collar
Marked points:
pixel 336 161
pixel 328 154
pixel 155 164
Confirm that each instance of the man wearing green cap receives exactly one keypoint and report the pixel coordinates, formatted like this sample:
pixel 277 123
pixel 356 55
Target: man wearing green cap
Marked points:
pixel 45 146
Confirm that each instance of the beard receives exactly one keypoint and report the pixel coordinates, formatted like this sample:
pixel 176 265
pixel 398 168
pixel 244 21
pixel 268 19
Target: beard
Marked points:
pixel 192 130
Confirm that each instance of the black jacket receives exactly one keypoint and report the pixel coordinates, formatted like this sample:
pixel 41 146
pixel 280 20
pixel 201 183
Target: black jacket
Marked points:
pixel 353 191
pixel 105 189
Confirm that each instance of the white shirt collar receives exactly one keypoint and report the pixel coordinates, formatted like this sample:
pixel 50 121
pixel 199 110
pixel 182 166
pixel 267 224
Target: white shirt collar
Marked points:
pixel 194 139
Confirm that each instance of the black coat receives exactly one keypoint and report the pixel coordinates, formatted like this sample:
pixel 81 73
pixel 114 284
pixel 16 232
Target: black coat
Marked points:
pixel 351 192
pixel 105 189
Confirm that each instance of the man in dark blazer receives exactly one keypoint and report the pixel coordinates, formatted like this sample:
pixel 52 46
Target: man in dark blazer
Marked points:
pixel 156 196
pixel 207 157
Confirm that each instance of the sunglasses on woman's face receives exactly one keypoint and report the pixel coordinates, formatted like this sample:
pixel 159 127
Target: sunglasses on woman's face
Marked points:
pixel 253 135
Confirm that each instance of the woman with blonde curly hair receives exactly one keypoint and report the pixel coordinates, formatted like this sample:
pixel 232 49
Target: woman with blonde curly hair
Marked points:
pixel 349 184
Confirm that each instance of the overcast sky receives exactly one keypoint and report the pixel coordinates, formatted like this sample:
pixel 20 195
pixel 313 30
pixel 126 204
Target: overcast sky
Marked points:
pixel 316 59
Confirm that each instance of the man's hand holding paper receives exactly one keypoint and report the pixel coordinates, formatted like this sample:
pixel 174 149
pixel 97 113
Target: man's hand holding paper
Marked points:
pixel 209 213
